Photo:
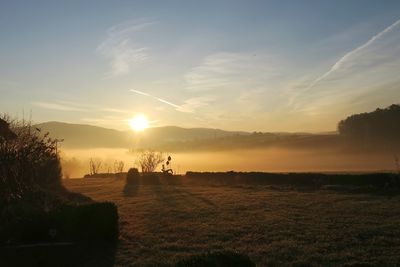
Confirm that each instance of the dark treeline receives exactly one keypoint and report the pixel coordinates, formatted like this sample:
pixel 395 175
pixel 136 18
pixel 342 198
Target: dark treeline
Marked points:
pixel 381 126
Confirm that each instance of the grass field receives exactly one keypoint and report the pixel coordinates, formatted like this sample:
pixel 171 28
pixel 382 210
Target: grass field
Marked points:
pixel 274 226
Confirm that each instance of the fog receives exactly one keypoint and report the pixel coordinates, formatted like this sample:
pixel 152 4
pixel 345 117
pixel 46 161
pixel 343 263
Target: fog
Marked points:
pixel 76 161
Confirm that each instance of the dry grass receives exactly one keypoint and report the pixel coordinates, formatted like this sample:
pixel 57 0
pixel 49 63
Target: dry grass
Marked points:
pixel 275 227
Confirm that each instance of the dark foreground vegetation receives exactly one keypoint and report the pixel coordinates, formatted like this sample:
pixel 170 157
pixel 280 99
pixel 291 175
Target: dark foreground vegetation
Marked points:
pixel 37 213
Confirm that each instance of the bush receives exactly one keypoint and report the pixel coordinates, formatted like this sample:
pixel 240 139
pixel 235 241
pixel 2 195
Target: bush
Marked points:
pixel 133 176
pixel 217 259
pixel 28 162
pixel 34 206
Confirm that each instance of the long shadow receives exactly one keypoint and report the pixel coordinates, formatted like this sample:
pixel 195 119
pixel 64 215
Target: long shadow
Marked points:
pixel 164 196
pixel 196 197
pixel 170 195
pixel 130 190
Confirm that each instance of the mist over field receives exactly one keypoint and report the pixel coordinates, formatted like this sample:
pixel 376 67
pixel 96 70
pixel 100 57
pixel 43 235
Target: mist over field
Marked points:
pixel 76 161
pixel 364 142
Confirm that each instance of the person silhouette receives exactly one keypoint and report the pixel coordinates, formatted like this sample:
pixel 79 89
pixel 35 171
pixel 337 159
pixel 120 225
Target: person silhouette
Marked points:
pixel 164 170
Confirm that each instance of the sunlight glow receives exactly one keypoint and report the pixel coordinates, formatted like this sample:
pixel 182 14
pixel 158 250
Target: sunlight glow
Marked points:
pixel 139 123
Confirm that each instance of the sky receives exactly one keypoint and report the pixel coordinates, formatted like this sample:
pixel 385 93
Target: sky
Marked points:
pixel 298 66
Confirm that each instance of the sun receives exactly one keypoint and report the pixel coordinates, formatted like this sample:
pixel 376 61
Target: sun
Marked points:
pixel 139 123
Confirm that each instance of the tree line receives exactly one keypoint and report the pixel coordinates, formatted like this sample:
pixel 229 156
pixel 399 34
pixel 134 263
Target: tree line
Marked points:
pixel 381 125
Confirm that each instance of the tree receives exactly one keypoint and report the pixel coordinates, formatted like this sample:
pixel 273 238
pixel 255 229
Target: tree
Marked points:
pixel 118 166
pixel 381 125
pixel 94 165
pixel 149 160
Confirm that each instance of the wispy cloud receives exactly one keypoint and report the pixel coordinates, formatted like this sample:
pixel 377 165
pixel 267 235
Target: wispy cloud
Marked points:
pixel 348 56
pixel 64 105
pixel 121 49
pixel 370 70
pixel 192 104
pixel 58 106
pixel 115 110
pixel 106 120
pixel 231 70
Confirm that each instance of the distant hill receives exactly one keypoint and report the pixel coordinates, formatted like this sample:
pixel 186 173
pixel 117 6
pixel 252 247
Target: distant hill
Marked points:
pixel 172 138
pixel 84 136
pixel 88 136
pixel 373 129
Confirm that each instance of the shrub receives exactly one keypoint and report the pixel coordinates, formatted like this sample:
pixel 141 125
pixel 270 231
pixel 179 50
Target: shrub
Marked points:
pixel 33 200
pixel 28 162
pixel 133 176
pixel 217 259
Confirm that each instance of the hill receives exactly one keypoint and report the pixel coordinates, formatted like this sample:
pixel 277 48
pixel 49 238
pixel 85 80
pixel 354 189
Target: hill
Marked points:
pixel 84 136
pixel 88 136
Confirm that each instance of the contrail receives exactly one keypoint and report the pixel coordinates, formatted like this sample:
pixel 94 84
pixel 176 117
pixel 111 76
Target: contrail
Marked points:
pixel 139 92
pixel 156 98
pixel 343 59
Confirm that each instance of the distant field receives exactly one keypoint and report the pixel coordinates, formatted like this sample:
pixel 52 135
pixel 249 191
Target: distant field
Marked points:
pixel 274 226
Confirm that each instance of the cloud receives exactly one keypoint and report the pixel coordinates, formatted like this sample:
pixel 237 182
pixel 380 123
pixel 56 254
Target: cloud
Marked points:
pixel 115 110
pixel 363 79
pixel 58 106
pixel 374 64
pixel 192 104
pixel 106 120
pixel 64 105
pixel 348 56
pixel 226 70
pixel 120 48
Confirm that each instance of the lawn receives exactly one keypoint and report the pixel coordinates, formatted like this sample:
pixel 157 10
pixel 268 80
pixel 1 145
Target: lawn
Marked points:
pixel 274 226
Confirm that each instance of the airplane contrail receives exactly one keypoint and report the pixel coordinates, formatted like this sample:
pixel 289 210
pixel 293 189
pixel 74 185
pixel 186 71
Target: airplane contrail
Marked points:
pixel 156 98
pixel 343 59
pixel 139 92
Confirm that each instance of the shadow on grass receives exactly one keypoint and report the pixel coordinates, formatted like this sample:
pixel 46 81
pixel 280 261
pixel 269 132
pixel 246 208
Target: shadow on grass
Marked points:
pixel 164 195
pixel 174 196
pixel 130 190
pixel 193 196
pixel 58 254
